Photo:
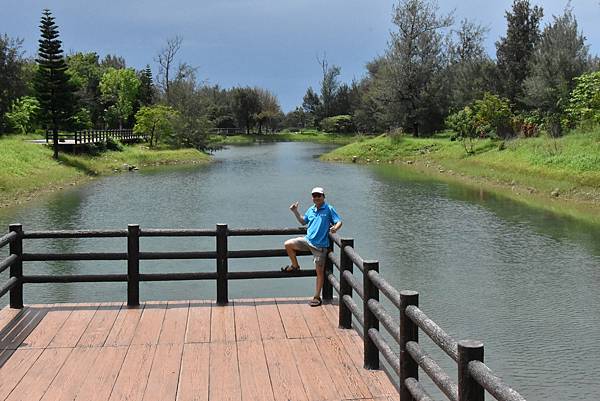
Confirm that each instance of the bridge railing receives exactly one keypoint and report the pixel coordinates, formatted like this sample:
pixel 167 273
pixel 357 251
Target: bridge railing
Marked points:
pixel 474 377
pixel 93 136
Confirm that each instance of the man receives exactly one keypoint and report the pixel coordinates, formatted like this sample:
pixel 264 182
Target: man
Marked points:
pixel 321 219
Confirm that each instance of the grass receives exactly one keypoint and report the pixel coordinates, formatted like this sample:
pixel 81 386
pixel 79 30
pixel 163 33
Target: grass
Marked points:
pixel 29 168
pixel 561 174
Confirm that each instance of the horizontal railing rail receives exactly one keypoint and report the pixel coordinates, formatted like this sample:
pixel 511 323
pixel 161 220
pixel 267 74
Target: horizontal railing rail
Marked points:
pixel 373 319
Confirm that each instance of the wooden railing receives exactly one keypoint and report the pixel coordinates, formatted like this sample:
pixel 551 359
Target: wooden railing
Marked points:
pixel 94 136
pixel 474 377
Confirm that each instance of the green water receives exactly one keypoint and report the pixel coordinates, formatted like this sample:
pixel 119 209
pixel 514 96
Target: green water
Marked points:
pixel 522 280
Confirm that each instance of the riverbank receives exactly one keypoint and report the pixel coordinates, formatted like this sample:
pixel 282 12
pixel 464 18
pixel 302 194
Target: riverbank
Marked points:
pixel 561 175
pixel 303 136
pixel 29 169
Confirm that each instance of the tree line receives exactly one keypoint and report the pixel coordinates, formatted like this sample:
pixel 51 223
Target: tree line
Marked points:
pixel 83 91
pixel 436 73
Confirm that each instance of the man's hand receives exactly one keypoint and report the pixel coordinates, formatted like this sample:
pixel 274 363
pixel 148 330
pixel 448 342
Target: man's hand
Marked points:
pixel 332 229
pixel 294 207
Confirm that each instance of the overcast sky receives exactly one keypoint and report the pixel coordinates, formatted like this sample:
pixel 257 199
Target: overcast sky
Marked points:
pixel 267 43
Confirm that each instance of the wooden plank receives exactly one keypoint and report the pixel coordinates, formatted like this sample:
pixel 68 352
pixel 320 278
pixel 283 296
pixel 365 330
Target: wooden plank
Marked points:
pixel 36 381
pixel 222 324
pixel 376 380
pixel 174 325
pixel 7 315
pixel 15 332
pixel 164 375
pixel 45 331
pixel 198 325
pixel 150 325
pixel 71 376
pixel 99 382
pixel 317 322
pixel 193 382
pixel 347 380
pixel 223 372
pixel 292 318
pixel 269 320
pixel 15 367
pixel 97 331
pixel 124 327
pixel 74 326
pixel 254 374
pixel 133 376
pixel 285 379
pixel 313 372
pixel 246 320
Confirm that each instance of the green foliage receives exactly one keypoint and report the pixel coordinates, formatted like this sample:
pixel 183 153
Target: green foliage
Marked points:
pixel 114 144
pixel 54 91
pixel 23 113
pixel 560 56
pixel 584 104
pixel 156 121
pixel 85 72
pixel 12 82
pixel 514 51
pixel 338 124
pixel 246 105
pixel 119 88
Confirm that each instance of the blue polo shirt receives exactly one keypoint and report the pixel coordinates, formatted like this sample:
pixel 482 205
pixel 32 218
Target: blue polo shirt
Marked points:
pixel 318 222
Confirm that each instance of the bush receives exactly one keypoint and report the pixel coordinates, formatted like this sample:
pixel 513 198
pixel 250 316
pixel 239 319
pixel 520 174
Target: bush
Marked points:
pixel 493 116
pixel 341 124
pixel 584 103
pixel 114 144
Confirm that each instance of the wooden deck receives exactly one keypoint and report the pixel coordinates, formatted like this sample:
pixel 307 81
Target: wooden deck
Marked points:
pixel 263 349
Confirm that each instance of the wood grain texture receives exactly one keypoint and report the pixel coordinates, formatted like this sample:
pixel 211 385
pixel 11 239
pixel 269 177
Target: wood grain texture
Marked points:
pixel 194 377
pixel 254 374
pixel 198 324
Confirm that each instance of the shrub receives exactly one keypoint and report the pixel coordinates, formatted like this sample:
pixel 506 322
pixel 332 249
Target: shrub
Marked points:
pixel 584 103
pixel 493 116
pixel 341 124
pixel 463 123
pixel 114 144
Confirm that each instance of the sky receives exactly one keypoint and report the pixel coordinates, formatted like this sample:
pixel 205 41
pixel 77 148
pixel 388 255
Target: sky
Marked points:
pixel 273 44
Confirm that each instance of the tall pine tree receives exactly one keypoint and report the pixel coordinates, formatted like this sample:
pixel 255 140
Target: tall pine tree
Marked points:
pixel 146 91
pixel 515 51
pixel 54 91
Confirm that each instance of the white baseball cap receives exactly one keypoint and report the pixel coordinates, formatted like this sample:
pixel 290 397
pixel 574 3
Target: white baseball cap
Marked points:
pixel 317 190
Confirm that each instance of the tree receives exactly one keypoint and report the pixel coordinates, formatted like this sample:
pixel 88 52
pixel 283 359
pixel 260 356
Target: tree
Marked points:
pixel 329 86
pixel 560 56
pixel 22 113
pixel 312 106
pixel 54 91
pixel 246 105
pixel 12 85
pixel 155 121
pixel 584 103
pixel 113 61
pixel 410 82
pixel 119 90
pixel 146 92
pixel 165 60
pixel 514 52
pixel 471 71
pixel 85 72
pixel 270 111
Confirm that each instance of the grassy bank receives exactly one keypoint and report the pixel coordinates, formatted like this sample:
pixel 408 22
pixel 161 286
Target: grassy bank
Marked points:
pixel 561 174
pixel 304 136
pixel 29 169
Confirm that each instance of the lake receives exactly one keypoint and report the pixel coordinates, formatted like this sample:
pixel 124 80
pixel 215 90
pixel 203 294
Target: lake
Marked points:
pixel 524 281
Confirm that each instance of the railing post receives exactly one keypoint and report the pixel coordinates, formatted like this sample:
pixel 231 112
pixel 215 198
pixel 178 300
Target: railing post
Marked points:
pixel 16 269
pixel 328 269
pixel 133 265
pixel 371 355
pixel 409 331
pixel 222 290
pixel 345 315
pixel 468 388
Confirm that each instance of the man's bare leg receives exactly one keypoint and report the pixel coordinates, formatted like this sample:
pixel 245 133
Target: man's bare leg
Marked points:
pixel 289 248
pixel 320 279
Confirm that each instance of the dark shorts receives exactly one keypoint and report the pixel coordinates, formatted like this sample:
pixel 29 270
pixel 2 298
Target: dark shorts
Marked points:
pixel 319 254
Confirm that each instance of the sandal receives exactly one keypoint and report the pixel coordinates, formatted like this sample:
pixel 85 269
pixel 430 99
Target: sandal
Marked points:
pixel 290 268
pixel 316 301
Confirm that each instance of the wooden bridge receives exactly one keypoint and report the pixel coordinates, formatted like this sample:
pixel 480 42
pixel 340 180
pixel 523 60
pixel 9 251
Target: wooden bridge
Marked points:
pixel 95 136
pixel 249 349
